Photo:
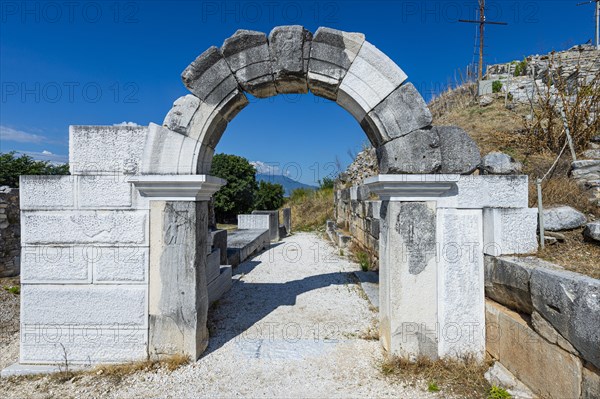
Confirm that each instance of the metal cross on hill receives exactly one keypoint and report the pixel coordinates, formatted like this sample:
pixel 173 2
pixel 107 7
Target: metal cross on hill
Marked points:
pixel 482 22
pixel 597 20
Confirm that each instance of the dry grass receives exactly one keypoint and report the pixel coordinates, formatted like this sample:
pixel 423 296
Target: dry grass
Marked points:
pixel 464 378
pixel 562 191
pixel 574 254
pixel 116 372
pixel 311 209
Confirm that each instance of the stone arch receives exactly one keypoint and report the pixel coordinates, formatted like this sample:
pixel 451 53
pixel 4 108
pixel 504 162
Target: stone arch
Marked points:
pixel 337 65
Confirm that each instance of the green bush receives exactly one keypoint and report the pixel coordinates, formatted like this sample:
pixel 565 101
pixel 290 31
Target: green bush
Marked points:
pixel 237 196
pixel 269 196
pixel 11 167
pixel 496 86
pixel 521 68
pixel 300 194
pixel 498 393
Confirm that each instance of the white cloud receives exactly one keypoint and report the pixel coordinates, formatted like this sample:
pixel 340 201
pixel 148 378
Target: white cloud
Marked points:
pixel 126 124
pixel 45 155
pixel 10 134
pixel 265 168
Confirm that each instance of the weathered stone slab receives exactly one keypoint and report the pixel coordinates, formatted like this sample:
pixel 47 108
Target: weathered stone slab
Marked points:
pixel 370 79
pixel 273 223
pixel 417 152
pixel 169 153
pixel 287 219
pixel 104 192
pixel 219 241
pixel 590 386
pixel 460 154
pixel 43 344
pixel 180 116
pixel 254 222
pixel 460 302
pixel 493 192
pixel 84 305
pixel 47 192
pixel 128 265
pixel 402 112
pixel 507 280
pixel 409 298
pixel 53 264
pixel 592 231
pixel 545 329
pixel 241 244
pixel 570 302
pixel 178 297
pixel 220 285
pixel 531 358
pixel 84 227
pixel 213 265
pixel 106 149
pixel 331 55
pixel 247 54
pixel 498 163
pixel 289 47
pixel 561 218
pixel 509 231
pixel 209 77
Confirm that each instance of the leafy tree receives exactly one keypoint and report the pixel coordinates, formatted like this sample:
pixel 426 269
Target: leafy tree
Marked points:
pixel 11 167
pixel 237 196
pixel 269 196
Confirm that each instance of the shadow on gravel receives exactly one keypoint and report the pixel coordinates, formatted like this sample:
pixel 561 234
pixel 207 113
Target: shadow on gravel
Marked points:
pixel 248 303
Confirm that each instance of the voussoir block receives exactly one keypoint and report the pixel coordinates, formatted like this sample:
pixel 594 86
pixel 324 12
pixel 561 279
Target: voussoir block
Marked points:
pixel 247 53
pixel 290 51
pixel 370 79
pixel 180 116
pixel 331 55
pixel 402 112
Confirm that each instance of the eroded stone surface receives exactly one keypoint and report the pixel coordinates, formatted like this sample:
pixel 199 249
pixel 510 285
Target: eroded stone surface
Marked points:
pixel 592 231
pixel 417 152
pixel 401 113
pixel 179 117
pixel 509 231
pixel 247 53
pixel 563 218
pixel 289 47
pixel 460 154
pixel 498 163
pixel 331 54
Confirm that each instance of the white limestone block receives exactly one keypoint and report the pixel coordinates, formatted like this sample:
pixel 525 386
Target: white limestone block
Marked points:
pixel 510 231
pixel 106 149
pixel 220 285
pixel 45 192
pixel 163 152
pixel 489 191
pixel 461 297
pixel 127 265
pixel 84 305
pixel 43 344
pixel 181 114
pixel 54 264
pixel 370 79
pixel 84 227
pixel 253 222
pixel 104 192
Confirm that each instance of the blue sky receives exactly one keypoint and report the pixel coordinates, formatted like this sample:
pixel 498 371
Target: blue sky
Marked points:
pixel 106 62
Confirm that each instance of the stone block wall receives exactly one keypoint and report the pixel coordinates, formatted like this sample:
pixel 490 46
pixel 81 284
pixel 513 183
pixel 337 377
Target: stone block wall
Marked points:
pixel 357 213
pixel 543 320
pixel 85 253
pixel 10 232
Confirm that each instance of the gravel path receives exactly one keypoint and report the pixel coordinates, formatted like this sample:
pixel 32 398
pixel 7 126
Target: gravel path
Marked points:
pixel 291 326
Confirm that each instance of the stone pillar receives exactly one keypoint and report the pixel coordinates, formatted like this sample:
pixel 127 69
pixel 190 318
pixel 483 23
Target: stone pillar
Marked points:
pixel 431 268
pixel 179 234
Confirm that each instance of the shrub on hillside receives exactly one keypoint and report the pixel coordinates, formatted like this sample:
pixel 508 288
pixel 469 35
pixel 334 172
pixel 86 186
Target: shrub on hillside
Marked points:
pixel 496 86
pixel 11 167
pixel 269 196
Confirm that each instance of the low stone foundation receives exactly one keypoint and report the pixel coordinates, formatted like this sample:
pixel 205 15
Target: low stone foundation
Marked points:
pixel 10 232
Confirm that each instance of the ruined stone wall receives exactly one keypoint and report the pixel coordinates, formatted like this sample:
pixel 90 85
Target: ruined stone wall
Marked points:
pixel 10 232
pixel 357 213
pixel 543 320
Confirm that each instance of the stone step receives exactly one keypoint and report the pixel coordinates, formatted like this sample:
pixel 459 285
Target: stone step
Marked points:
pixel 241 244
pixel 213 263
pixel 220 285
